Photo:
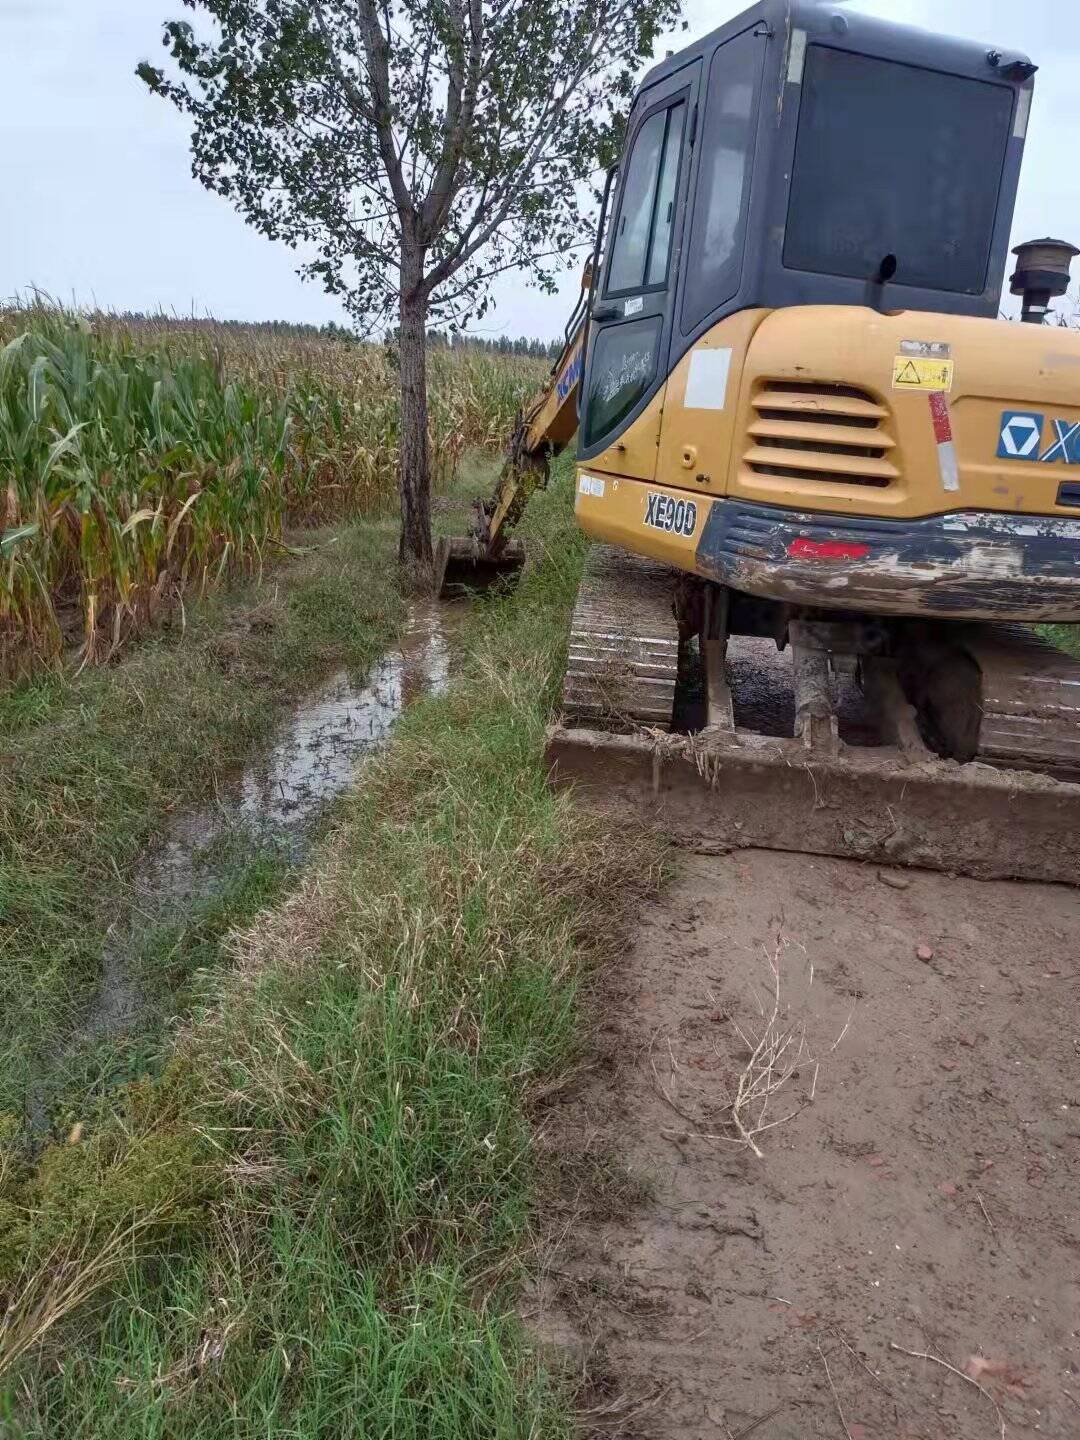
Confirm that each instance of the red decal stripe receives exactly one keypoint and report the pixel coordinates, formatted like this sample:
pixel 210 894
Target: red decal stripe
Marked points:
pixel 804 549
pixel 939 414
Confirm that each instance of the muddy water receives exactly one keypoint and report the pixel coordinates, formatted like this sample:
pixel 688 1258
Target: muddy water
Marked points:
pixel 274 802
pixel 316 754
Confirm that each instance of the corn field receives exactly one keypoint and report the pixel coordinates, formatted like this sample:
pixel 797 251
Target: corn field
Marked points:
pixel 139 458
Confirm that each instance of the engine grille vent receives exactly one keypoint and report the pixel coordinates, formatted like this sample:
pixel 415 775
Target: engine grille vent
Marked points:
pixel 831 433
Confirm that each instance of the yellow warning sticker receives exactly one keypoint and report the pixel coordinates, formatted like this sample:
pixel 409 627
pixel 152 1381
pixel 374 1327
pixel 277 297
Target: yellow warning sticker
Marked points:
pixel 912 372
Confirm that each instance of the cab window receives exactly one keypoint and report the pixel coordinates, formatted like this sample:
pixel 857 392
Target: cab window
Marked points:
pixel 945 137
pixel 622 369
pixel 714 263
pixel 641 247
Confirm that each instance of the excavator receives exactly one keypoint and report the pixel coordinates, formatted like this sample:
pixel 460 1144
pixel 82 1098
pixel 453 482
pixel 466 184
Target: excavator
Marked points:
pixel 834 493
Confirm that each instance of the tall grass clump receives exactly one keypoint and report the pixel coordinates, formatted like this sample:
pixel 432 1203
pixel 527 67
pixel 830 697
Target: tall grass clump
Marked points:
pixel 334 1178
pixel 138 460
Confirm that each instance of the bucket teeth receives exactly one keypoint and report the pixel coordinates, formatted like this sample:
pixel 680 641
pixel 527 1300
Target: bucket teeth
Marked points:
pixel 623 655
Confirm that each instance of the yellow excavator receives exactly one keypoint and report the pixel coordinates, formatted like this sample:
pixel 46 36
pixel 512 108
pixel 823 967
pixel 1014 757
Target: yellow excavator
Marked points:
pixel 834 492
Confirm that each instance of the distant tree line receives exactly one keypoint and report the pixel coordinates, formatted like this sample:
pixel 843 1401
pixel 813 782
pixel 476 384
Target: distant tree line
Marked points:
pixel 496 345
pixel 436 339
pixel 291 329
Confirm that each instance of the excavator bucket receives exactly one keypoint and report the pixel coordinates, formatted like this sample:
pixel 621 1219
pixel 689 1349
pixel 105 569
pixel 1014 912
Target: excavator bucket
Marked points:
pixel 463 565
pixel 489 555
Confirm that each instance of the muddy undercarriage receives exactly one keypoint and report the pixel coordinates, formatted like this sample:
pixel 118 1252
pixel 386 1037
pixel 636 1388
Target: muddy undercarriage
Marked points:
pixel 735 721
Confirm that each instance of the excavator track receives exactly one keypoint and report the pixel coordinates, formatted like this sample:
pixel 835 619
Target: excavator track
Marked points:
pixel 1012 811
pixel 623 657
pixel 1030 701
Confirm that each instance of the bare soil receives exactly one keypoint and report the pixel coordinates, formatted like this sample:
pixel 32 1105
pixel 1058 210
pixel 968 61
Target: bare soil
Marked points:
pixel 926 1197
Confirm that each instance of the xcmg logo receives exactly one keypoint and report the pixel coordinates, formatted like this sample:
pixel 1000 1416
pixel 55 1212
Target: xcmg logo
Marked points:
pixel 1021 438
pixel 569 378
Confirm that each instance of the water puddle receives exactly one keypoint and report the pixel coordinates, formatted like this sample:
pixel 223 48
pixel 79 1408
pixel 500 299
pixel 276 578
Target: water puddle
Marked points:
pixel 275 801
pixel 316 755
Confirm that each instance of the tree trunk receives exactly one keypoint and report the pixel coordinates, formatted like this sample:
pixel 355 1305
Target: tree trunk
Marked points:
pixel 414 550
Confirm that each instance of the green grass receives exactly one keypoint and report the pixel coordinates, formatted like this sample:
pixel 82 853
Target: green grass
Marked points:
pixel 93 765
pixel 326 1199
pixel 171 962
pixel 1065 636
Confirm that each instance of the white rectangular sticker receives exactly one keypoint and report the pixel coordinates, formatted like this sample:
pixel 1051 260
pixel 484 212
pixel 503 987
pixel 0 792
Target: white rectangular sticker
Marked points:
pixel 633 305
pixel 706 384
pixel 796 56
pixel 1023 109
pixel 591 485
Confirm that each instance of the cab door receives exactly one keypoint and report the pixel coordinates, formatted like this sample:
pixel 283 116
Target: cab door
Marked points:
pixel 630 326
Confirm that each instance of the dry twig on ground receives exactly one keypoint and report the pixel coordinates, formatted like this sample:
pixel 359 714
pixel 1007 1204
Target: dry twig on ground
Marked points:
pixel 775 1055
pixel 835 1396
pixel 777 1048
pixel 929 1355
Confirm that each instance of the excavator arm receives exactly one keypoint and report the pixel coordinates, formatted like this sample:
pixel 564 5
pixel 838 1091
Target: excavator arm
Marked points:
pixel 543 429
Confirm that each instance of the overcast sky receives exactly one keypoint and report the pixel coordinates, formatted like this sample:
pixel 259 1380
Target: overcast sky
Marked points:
pixel 99 203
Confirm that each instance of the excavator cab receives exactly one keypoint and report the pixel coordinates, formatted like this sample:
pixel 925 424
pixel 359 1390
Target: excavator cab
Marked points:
pixel 812 218
pixel 799 156
pixel 788 178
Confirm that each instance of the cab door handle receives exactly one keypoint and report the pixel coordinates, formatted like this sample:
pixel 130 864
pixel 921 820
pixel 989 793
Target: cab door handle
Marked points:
pixel 606 312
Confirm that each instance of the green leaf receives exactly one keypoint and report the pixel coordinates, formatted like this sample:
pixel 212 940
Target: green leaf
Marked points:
pixel 10 538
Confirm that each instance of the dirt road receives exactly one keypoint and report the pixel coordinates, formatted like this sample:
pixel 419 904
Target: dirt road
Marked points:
pixel 926 1197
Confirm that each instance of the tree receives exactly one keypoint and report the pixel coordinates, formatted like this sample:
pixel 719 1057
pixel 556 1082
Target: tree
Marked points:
pixel 417 148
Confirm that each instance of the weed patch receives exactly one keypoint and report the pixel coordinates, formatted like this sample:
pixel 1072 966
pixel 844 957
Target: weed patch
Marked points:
pixel 93 765
pixel 1067 637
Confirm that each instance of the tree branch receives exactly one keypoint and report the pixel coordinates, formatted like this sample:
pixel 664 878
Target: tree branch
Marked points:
pixel 515 262
pixel 518 182
pixel 463 87
pixel 378 114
